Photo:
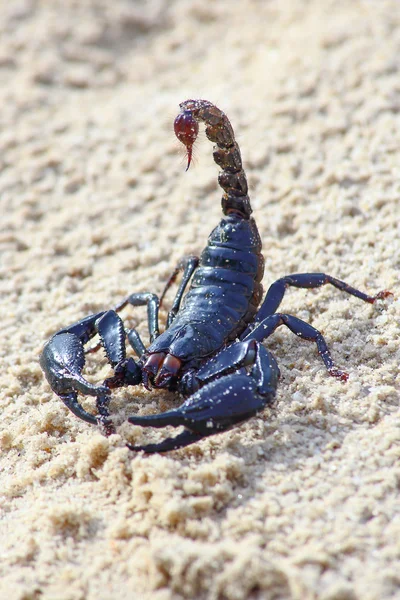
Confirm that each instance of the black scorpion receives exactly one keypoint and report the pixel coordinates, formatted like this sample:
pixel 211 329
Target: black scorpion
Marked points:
pixel 211 351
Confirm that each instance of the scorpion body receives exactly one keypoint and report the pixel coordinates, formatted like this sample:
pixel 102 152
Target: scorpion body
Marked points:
pixel 211 350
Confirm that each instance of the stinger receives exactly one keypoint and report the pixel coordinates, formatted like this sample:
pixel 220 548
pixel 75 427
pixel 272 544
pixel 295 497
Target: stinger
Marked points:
pixel 186 130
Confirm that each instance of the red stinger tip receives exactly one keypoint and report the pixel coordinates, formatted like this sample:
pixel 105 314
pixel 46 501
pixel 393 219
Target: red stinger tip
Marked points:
pixel 186 130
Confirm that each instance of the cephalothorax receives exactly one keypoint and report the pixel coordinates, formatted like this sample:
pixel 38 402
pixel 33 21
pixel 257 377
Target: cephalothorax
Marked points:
pixel 211 351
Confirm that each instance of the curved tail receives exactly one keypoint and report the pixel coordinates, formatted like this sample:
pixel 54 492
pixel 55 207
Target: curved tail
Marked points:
pixel 226 154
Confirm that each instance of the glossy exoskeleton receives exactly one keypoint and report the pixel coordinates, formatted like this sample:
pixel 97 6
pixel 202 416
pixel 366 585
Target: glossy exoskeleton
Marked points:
pixel 211 351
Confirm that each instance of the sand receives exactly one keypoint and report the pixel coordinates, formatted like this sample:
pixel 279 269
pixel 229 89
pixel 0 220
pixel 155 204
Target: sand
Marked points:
pixel 301 502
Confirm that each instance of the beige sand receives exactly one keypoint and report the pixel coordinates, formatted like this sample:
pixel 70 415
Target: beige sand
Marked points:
pixel 302 502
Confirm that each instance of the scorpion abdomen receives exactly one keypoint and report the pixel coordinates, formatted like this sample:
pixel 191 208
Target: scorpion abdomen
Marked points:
pixel 224 294
pixel 230 258
pixel 233 231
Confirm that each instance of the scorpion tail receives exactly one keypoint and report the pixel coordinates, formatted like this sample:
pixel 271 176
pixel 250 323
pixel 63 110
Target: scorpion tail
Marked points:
pixel 227 155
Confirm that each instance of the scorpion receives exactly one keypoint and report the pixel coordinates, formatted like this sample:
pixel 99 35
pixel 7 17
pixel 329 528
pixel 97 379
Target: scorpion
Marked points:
pixel 211 351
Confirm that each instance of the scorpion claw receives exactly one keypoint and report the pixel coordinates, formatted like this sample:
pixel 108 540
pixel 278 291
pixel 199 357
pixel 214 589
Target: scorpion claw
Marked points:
pixel 62 361
pixel 218 406
pixel 180 441
pixel 71 401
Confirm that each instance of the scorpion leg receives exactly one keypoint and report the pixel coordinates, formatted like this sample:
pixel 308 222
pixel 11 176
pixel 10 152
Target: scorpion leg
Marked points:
pixel 152 302
pixel 188 265
pixel 303 330
pixel 222 402
pixel 277 290
pixel 136 342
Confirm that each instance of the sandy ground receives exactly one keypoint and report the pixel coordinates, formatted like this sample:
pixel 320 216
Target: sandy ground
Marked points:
pixel 303 501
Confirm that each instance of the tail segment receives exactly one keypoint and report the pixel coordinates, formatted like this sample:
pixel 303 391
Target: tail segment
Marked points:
pixel 219 130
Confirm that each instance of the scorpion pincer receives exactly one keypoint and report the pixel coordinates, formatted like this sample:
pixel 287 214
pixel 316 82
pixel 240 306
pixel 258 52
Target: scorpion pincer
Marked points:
pixel 211 351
